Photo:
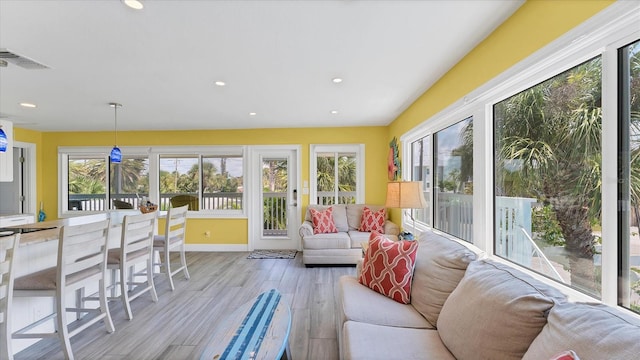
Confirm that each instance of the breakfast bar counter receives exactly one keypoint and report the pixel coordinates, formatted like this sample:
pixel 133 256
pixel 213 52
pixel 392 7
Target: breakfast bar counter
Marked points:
pixel 39 248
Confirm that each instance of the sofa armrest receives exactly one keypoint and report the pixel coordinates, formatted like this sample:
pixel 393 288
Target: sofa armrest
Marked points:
pixel 306 229
pixel 391 228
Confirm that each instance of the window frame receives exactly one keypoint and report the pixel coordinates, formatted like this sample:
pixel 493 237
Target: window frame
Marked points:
pixel 153 154
pixel 315 149
pixel 601 35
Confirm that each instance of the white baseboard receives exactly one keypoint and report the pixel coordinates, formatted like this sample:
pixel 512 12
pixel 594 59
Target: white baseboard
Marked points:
pixel 216 247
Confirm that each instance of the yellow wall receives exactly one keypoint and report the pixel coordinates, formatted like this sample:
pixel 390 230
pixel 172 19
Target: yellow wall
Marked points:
pixel 223 231
pixel 534 25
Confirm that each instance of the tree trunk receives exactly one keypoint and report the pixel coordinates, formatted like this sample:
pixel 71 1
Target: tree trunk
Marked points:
pixel 579 241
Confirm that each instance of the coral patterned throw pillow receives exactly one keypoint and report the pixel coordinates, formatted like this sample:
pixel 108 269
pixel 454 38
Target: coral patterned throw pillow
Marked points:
pixel 566 355
pixel 373 221
pixel 388 267
pixel 323 221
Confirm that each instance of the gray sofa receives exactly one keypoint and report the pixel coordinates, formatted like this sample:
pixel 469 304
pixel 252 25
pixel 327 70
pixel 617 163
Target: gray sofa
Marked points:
pixel 343 247
pixel 466 307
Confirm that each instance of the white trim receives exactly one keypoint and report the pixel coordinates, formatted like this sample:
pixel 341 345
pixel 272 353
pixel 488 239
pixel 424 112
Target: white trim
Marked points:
pixel 217 247
pixel 30 177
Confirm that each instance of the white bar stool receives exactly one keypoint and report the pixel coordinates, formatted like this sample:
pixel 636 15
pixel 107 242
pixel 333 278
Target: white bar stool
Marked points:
pixel 174 235
pixel 136 246
pixel 82 259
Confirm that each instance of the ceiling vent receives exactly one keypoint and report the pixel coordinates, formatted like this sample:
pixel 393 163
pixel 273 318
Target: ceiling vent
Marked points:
pixel 9 56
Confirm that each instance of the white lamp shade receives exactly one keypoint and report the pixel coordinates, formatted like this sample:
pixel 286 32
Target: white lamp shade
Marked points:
pixel 405 195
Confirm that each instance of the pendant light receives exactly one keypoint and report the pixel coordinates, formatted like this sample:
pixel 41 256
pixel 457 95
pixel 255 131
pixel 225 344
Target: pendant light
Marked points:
pixel 116 154
pixel 4 142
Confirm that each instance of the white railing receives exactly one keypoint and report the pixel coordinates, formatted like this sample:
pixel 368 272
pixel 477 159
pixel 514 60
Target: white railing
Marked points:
pixel 454 214
pixel 329 197
pixel 210 201
pixel 537 252
pixel 513 222
pixel 274 214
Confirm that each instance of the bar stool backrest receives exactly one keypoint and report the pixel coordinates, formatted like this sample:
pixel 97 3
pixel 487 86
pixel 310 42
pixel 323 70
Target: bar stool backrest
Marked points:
pixel 82 254
pixel 137 235
pixel 8 247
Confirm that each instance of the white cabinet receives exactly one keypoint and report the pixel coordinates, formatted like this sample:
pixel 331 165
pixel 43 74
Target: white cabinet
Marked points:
pixel 15 220
pixel 6 158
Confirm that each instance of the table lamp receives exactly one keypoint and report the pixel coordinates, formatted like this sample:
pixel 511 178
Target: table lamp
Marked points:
pixel 405 195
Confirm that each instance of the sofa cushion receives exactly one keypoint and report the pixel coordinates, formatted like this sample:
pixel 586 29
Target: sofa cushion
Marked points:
pixel 495 312
pixel 339 215
pixel 593 331
pixel 338 240
pixel 323 221
pixel 388 267
pixel 358 238
pixel 372 342
pixel 357 302
pixel 440 265
pixel 373 220
pixel 354 214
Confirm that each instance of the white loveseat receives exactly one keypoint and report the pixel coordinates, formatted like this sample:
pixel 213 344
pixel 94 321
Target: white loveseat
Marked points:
pixel 344 246
pixel 466 307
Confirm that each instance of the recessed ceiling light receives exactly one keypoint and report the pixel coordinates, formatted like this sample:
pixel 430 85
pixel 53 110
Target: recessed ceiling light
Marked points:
pixel 27 105
pixel 336 80
pixel 220 83
pixel 334 111
pixel 134 4
pixel 252 114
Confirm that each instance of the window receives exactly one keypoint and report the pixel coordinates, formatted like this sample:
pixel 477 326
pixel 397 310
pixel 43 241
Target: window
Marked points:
pixel 209 179
pixel 129 181
pixel 629 178
pixel 86 187
pixel 421 171
pixel 337 174
pixel 453 179
pixel 548 177
pixel 179 180
pixel 556 145
pixel 222 183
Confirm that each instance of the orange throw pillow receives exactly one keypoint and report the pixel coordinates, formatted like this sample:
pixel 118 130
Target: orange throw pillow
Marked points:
pixel 323 221
pixel 373 221
pixel 388 267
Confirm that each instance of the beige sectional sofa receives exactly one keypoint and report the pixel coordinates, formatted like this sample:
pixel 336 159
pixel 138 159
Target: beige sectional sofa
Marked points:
pixel 466 307
pixel 343 247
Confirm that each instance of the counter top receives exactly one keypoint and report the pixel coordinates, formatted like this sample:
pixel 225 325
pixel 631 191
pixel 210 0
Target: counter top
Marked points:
pixel 10 215
pixel 53 234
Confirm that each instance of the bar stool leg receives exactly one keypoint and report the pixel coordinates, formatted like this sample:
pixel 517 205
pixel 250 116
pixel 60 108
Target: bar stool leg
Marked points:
pixel 167 266
pixel 125 293
pixel 61 319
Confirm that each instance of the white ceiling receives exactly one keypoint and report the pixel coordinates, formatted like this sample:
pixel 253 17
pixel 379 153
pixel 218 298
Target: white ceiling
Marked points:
pixel 277 58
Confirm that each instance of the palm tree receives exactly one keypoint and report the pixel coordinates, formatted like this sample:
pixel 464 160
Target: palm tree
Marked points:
pixel 549 138
pixel 129 176
pixel 326 178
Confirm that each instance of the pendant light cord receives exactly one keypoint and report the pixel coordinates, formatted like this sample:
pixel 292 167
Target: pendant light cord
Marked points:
pixel 115 123
pixel 115 126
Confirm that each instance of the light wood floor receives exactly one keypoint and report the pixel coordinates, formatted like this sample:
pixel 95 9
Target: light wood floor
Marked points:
pixel 180 323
